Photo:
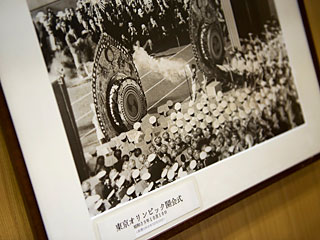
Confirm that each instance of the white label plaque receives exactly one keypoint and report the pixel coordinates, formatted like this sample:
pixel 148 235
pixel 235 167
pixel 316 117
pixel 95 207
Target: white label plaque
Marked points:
pixel 141 217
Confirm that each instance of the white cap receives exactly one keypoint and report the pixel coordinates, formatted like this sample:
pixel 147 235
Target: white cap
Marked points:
pixel 164 172
pixel 220 108
pixel 216 113
pixel 163 123
pixel 146 176
pixel 131 190
pixel 236 116
pixel 174 129
pixel 208 149
pixel 151 157
pixel 213 106
pixel 199 106
pixel 209 119
pixel 244 95
pixel 148 137
pixel 102 149
pixel 187 128
pixel 247 110
pixel 122 136
pixel 160 109
pixel 258 96
pixel 177 106
pixel 135 173
pixel 180 116
pixel 263 83
pixel 180 123
pixel 205 110
pixel 152 120
pixel 148 131
pixel 242 114
pixel 252 105
pixel 267 102
pixel 180 170
pixel 193 123
pixel 236 93
pixel 190 111
pixel 241 99
pixel 125 198
pixel 193 164
pixel 231 99
pixel 120 181
pixel 186 117
pixel 216 124
pixel 221 119
pixel 112 143
pixel 85 186
pixel 228 111
pixel 182 174
pixel 233 107
pixel 137 126
pixel 173 116
pixel 40 15
pixel 101 174
pixel 169 103
pixel 203 155
pixel 170 174
pixel 262 106
pixel 200 116
pixel 224 104
pixel 246 104
pixel 113 176
pixel 131 146
pixel 203 125
pixel 175 166
pixel 148 188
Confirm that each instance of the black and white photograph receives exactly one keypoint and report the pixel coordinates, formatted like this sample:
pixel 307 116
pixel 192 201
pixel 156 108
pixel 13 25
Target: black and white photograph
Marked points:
pixel 151 91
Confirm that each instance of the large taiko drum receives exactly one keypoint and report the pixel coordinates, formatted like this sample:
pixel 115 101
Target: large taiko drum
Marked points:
pixel 206 35
pixel 117 93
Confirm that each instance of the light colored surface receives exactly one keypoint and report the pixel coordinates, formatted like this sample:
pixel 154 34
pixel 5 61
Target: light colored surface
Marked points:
pixel 288 209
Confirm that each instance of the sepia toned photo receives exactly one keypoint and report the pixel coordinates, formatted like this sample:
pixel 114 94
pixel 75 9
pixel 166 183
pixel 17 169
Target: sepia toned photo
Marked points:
pixel 151 91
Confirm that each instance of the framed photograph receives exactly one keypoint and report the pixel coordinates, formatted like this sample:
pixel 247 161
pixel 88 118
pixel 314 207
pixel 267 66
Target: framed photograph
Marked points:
pixel 134 116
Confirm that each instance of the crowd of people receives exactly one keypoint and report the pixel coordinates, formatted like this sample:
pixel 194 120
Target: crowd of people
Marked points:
pixel 145 23
pixel 185 137
pixel 260 59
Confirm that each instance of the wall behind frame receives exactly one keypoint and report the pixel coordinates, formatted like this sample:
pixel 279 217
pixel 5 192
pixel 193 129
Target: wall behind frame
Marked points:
pixel 288 209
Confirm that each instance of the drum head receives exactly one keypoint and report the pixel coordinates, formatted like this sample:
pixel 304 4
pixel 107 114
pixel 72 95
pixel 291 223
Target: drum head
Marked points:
pixel 116 88
pixel 206 35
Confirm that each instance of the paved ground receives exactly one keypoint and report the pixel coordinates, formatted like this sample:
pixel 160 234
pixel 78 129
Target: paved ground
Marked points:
pixel 158 90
